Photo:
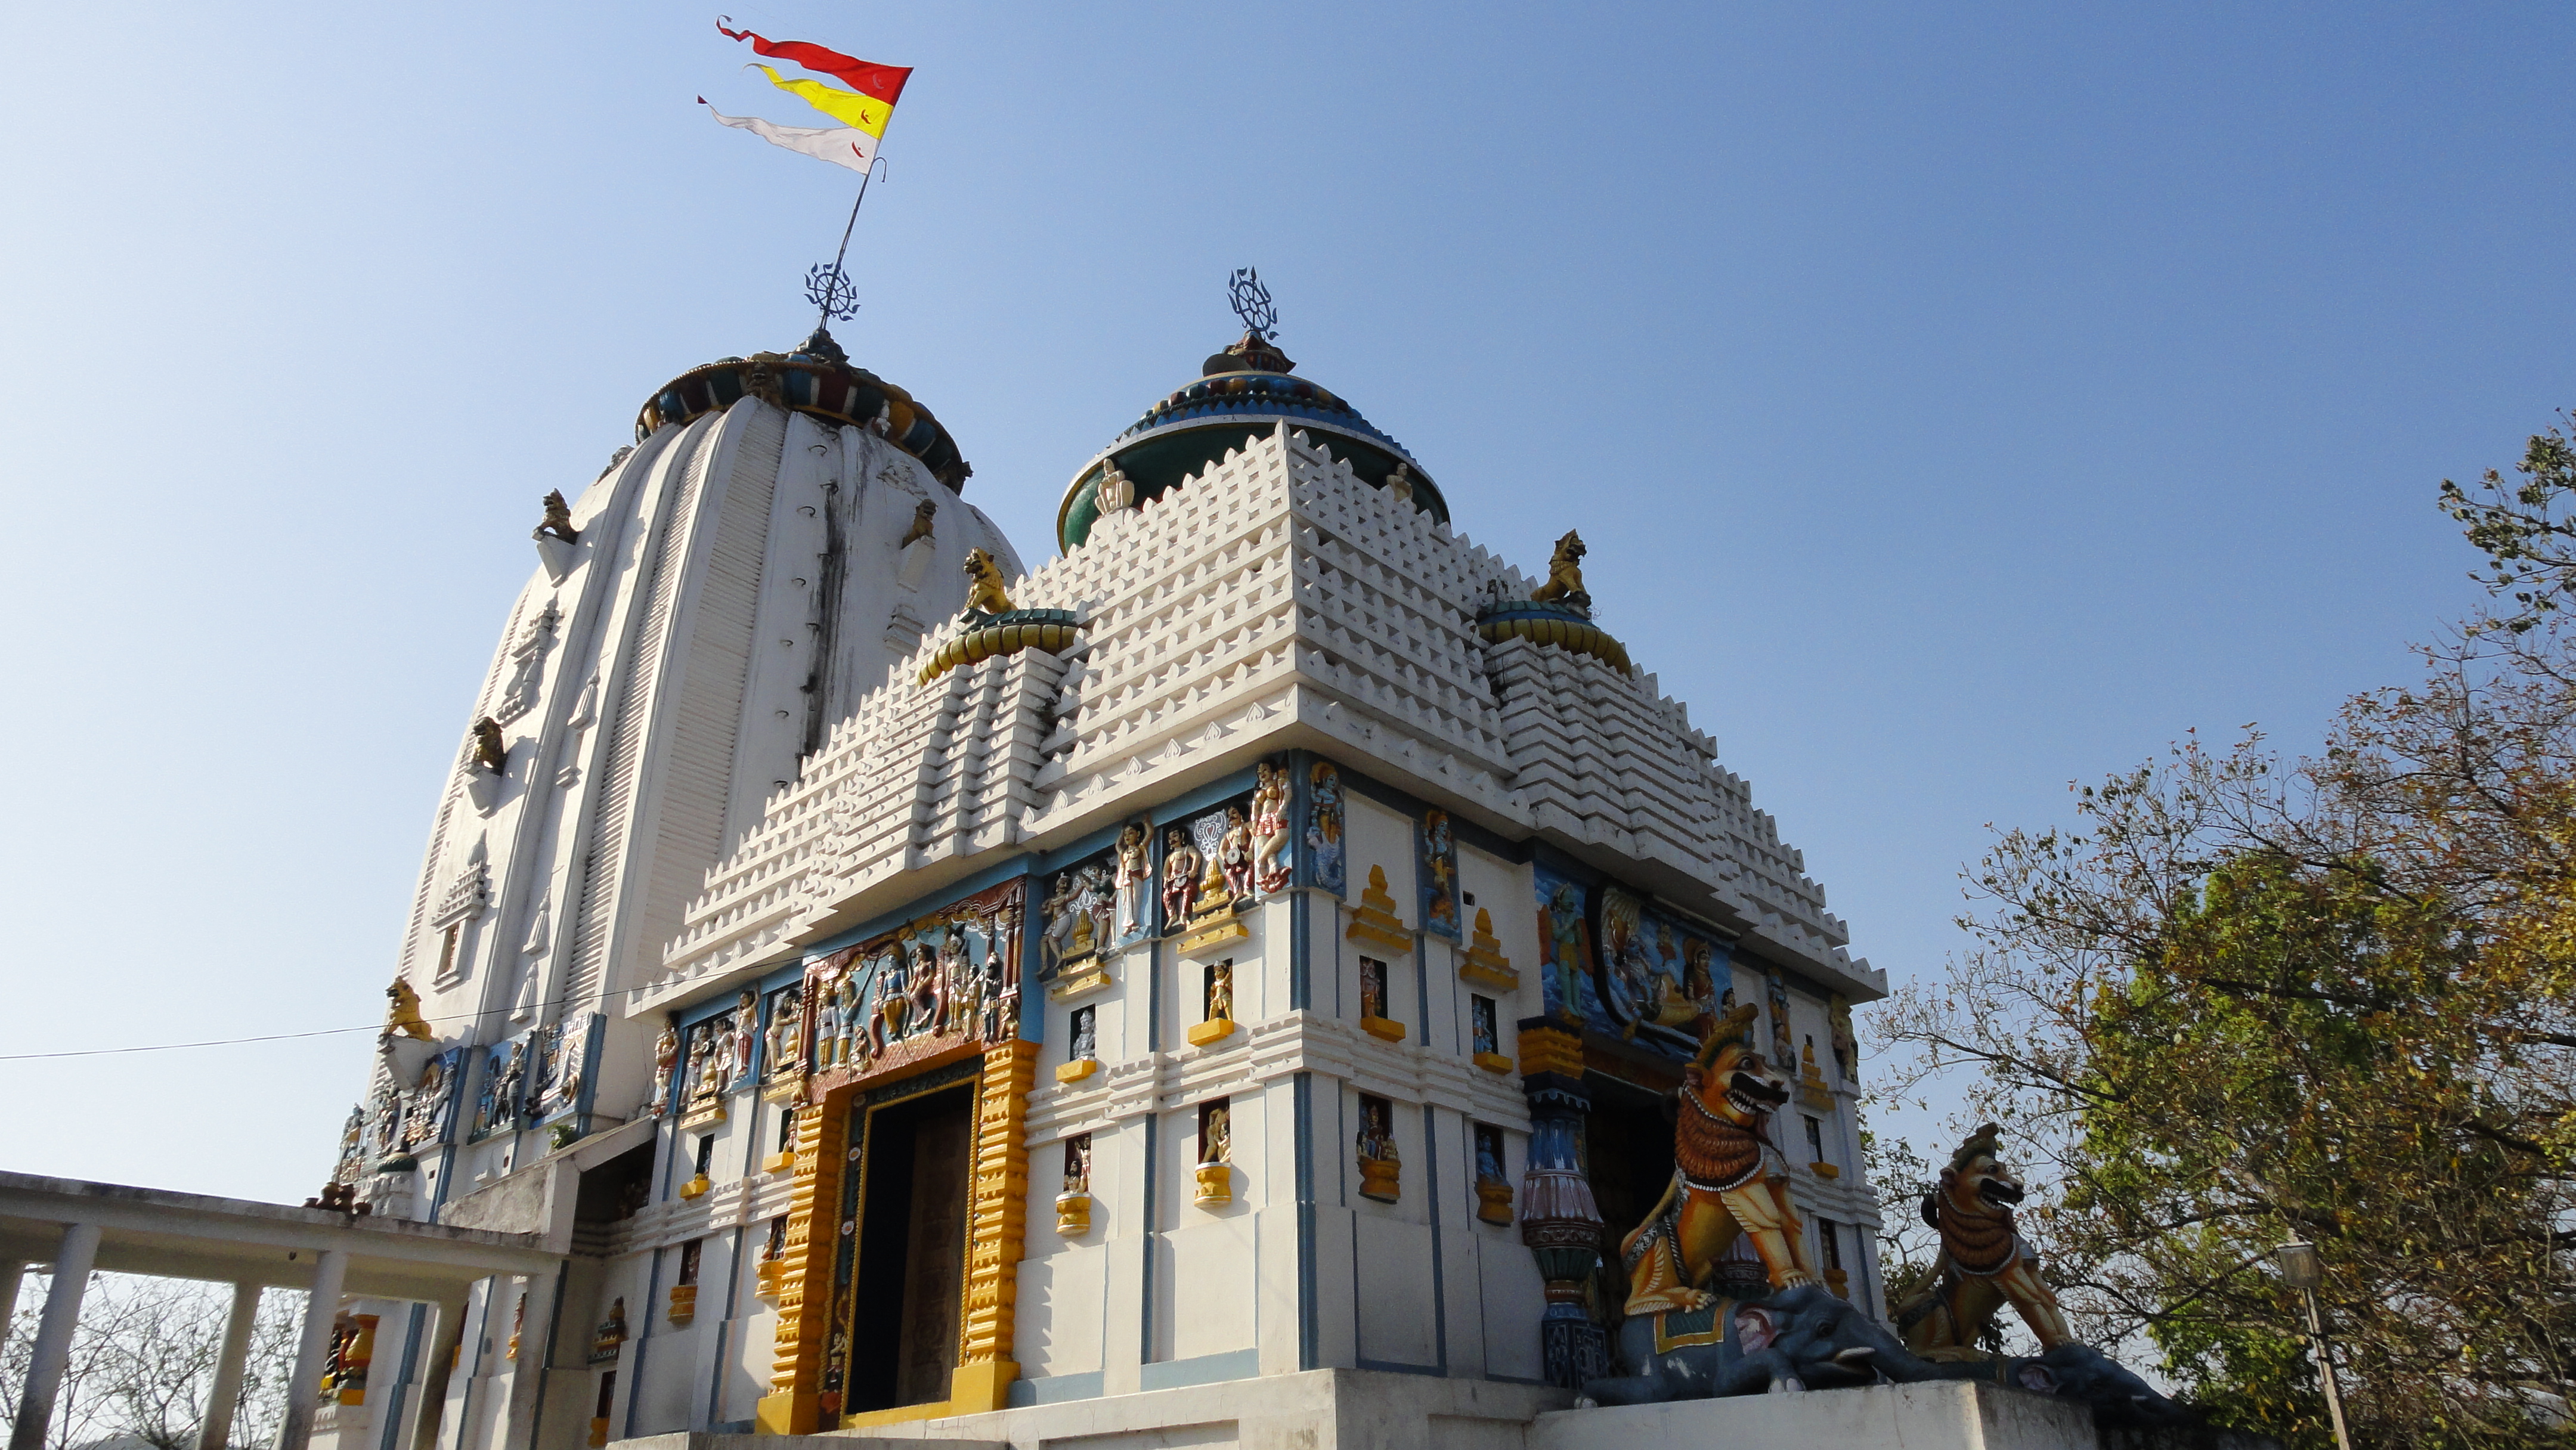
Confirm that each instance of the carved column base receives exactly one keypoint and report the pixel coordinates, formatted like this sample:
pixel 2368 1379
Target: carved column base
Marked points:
pixel 1572 1349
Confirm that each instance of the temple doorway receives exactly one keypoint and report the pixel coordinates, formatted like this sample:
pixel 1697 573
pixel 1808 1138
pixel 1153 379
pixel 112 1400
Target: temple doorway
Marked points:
pixel 1628 1156
pixel 912 1250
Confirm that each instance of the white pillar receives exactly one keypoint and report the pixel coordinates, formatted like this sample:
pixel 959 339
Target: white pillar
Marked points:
pixel 444 1340
pixel 72 1265
pixel 217 1432
pixel 13 1272
pixel 304 1386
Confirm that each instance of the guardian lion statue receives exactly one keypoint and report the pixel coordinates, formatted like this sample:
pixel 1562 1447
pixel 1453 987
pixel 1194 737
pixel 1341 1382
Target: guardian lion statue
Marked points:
pixel 984 585
pixel 1983 1263
pixel 1723 1184
pixel 1564 574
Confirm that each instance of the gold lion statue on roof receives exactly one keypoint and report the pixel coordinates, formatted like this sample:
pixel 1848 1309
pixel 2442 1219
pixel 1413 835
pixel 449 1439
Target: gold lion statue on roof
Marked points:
pixel 984 593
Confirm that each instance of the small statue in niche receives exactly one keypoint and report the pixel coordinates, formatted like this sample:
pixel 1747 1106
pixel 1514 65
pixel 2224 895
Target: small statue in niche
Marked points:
pixel 920 525
pixel 1077 1163
pixel 1846 1043
pixel 666 1060
pixel 1481 1017
pixel 1234 852
pixel 1220 992
pixel 828 1017
pixel 746 1031
pixel 402 1014
pixel 1270 860
pixel 714 1056
pixel 505 1091
pixel 1372 987
pixel 1564 575
pixel 984 593
pixel 786 1021
pixel 1117 491
pixel 1216 1136
pixel 1180 877
pixel 1135 871
pixel 1086 1035
pixel 558 520
pixel 1489 1155
pixel 490 750
pixel 859 1038
pixel 1096 897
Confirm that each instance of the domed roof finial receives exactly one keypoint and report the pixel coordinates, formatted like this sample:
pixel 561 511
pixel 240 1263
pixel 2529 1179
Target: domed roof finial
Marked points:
pixel 1254 354
pixel 1252 304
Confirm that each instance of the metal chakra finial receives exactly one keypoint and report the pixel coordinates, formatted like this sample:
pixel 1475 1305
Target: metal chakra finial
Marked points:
pixel 1252 304
pixel 830 288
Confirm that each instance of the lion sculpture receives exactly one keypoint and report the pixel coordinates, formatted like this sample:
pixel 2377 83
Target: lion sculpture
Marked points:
pixel 1723 1184
pixel 1564 574
pixel 1982 1265
pixel 402 1013
pixel 984 585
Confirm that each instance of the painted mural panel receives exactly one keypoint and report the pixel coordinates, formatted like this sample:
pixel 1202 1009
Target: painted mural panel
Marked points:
pixel 1437 879
pixel 943 982
pixel 1635 973
pixel 505 1076
pixel 1565 951
pixel 1324 850
pixel 560 1076
pixel 1659 976
pixel 1099 904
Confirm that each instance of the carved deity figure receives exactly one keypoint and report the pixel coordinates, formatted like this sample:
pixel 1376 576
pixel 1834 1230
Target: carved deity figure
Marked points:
pixel 1135 871
pixel 1220 992
pixel 1095 898
pixel 1216 1135
pixel 1234 853
pixel 666 1060
pixel 1372 987
pixel 1564 574
pixel 490 750
pixel 894 1000
pixel 984 594
pixel 1324 826
pixel 931 971
pixel 829 1005
pixel 1376 1138
pixel 715 1055
pixel 558 520
pixel 997 997
pixel 920 525
pixel 1271 864
pixel 1077 1163
pixel 1062 922
pixel 1846 1042
pixel 402 1013
pixel 1723 1185
pixel 746 1032
pixel 1086 1035
pixel 1180 877
pixel 1983 1263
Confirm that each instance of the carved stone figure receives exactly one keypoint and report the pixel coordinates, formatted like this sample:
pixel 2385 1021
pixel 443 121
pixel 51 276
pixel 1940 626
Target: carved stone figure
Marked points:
pixel 1982 1265
pixel 920 525
pixel 1180 877
pixel 1117 491
pixel 1096 897
pixel 1216 1136
pixel 894 1001
pixel 998 998
pixel 714 1056
pixel 930 988
pixel 1220 992
pixel 1324 825
pixel 784 1044
pixel 666 1060
pixel 1060 915
pixel 1564 575
pixel 1810 1339
pixel 1135 871
pixel 490 750
pixel 1234 854
pixel 984 585
pixel 1846 1042
pixel 746 1032
pixel 1086 1035
pixel 402 1013
pixel 1271 864
pixel 1722 1182
pixel 558 520
pixel 829 1015
pixel 1077 1163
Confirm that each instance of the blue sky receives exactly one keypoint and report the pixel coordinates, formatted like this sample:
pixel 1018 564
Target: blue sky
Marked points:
pixel 1957 401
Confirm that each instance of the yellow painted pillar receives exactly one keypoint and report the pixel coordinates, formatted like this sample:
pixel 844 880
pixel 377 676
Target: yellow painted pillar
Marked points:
pixel 794 1404
pixel 999 1229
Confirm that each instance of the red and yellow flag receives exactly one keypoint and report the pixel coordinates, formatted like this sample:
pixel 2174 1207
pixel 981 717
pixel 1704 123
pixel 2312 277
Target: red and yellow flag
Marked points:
pixel 862 110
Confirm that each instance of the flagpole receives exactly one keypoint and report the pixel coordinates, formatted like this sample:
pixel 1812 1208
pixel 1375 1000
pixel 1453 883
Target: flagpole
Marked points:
pixel 843 255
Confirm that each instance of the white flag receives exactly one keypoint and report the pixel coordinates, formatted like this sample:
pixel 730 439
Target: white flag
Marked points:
pixel 841 145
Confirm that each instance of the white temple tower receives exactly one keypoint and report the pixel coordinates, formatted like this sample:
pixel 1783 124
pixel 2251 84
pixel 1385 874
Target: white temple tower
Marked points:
pixel 1257 948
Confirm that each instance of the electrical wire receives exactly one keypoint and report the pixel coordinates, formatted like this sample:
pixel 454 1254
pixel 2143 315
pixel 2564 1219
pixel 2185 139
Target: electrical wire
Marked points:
pixel 271 1037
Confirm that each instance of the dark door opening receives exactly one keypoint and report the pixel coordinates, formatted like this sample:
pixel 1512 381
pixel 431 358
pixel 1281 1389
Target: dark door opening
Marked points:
pixel 1628 1152
pixel 912 1251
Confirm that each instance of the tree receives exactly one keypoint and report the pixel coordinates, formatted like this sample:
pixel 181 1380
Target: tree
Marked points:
pixel 143 1361
pixel 2245 999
